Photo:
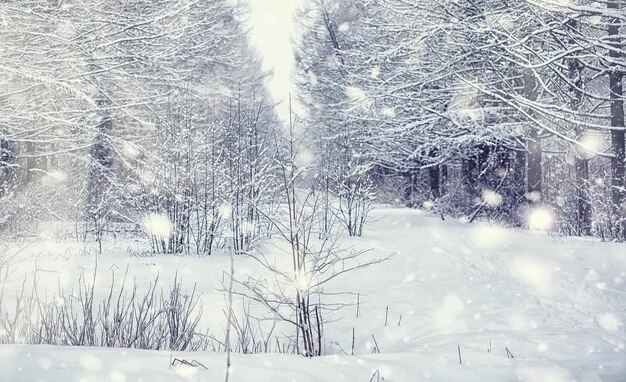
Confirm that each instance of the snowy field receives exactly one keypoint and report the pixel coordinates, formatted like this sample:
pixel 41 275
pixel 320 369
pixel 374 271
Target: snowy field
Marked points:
pixel 517 306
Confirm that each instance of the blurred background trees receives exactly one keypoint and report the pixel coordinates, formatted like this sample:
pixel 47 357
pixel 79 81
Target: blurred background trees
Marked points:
pixel 113 111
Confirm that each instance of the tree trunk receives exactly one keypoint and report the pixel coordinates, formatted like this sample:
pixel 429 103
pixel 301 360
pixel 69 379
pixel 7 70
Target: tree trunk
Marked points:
pixel 471 175
pixel 533 141
pixel 483 159
pixel 7 169
pixel 101 163
pixel 434 177
pixel 582 196
pixel 435 182
pixel 410 188
pixel 519 175
pixel 444 179
pixel 581 161
pixel 617 125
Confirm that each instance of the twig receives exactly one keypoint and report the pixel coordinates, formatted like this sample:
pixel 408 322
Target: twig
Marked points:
pixel 230 314
pixel 353 340
pixel 508 353
pixel 192 363
pixel 376 348
pixel 386 314
pixel 339 346
pixel 375 375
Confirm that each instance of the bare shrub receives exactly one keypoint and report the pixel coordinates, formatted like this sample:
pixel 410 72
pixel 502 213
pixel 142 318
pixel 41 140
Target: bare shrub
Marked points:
pixel 294 293
pixel 123 318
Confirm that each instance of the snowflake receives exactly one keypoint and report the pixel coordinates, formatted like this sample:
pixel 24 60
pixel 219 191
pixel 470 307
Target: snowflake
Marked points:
pixel 540 219
pixel 158 225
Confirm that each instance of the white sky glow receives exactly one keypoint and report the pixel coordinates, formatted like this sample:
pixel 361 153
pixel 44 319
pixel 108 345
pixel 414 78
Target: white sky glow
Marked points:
pixel 273 31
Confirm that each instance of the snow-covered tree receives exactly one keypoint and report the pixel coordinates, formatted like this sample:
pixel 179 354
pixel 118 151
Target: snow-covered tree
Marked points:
pixel 491 96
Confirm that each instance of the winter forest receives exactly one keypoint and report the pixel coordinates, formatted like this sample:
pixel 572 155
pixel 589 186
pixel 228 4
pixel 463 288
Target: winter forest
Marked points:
pixel 312 190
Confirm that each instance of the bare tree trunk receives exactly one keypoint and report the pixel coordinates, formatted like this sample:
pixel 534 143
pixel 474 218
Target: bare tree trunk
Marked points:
pixel 100 166
pixel 533 141
pixel 618 194
pixel 581 161
pixel 444 178
pixel 7 169
pixel 483 158
pixel 474 167
pixel 582 196
pixel 471 175
pixel 434 176
pixel 519 174
pixel 411 187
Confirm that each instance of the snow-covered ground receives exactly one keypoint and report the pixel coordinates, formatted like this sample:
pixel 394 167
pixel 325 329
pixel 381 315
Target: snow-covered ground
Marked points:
pixel 520 306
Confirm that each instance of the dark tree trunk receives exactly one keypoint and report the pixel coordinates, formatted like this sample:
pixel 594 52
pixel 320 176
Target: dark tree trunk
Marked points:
pixel 519 175
pixel 475 167
pixel 444 179
pixel 471 175
pixel 7 167
pixel 434 176
pixel 582 190
pixel 101 162
pixel 410 190
pixel 533 141
pixel 617 124
pixel 482 159
pixel 534 163
pixel 435 182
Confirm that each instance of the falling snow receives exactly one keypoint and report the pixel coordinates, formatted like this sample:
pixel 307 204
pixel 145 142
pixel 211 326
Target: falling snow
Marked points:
pixel 540 219
pixel 158 225
pixel 312 191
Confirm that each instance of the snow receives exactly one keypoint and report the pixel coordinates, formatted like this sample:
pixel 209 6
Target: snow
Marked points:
pixel 375 72
pixel 540 219
pixel 44 363
pixel 491 198
pixel 355 93
pixel 609 322
pixel 590 145
pixel 158 225
pixel 388 112
pixel 305 158
pixel 130 149
pixel 556 304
